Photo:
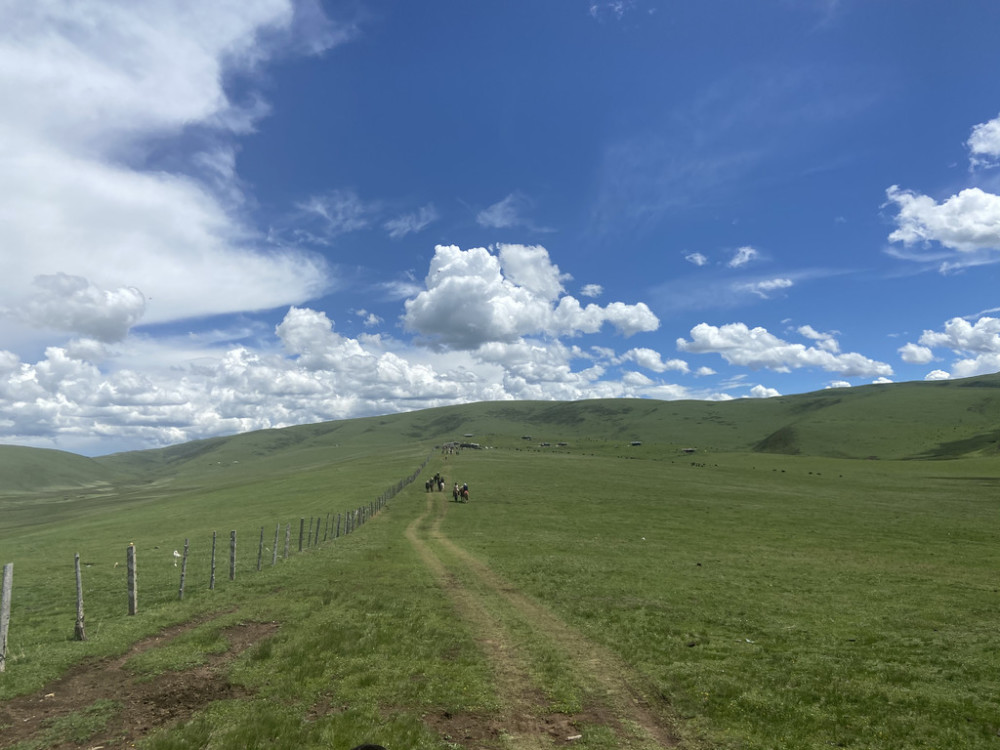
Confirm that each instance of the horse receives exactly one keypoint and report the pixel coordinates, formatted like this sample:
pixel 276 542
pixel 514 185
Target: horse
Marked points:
pixel 465 495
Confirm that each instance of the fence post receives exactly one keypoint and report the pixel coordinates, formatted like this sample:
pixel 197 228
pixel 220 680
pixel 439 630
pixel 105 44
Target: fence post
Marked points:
pixel 133 597
pixel 309 538
pixel 211 581
pixel 316 539
pixel 288 538
pixel 6 586
pixel 79 633
pixel 338 527
pixel 184 569
pixel 302 531
pixel 326 527
pixel 232 555
pixel 274 552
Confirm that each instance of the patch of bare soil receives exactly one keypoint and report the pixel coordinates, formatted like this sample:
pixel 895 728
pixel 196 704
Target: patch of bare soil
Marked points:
pixel 483 732
pixel 144 705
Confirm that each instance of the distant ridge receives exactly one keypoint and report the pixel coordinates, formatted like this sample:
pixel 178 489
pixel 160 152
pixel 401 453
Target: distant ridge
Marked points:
pixel 913 421
pixel 28 469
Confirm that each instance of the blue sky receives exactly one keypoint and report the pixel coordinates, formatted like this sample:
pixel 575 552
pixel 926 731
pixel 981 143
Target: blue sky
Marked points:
pixel 218 217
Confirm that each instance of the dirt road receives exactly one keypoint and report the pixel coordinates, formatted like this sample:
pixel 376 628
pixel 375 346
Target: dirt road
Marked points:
pixel 518 634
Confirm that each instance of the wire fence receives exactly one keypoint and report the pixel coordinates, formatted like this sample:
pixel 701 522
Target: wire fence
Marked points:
pixel 319 530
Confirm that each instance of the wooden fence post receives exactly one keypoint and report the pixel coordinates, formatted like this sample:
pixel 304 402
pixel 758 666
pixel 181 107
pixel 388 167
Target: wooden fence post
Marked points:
pixel 274 552
pixel 6 586
pixel 326 527
pixel 288 538
pixel 302 531
pixel 211 580
pixel 184 569
pixel 232 555
pixel 133 596
pixel 309 538
pixel 79 633
pixel 316 540
pixel 338 527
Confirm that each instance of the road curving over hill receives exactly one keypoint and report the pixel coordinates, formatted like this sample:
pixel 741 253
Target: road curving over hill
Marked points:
pixel 532 652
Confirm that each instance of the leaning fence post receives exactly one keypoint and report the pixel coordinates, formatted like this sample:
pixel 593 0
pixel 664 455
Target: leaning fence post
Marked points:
pixel 6 587
pixel 79 633
pixel 133 598
pixel 184 569
pixel 232 555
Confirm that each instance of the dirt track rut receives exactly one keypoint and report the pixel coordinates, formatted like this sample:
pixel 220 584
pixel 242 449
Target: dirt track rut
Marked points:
pixel 479 594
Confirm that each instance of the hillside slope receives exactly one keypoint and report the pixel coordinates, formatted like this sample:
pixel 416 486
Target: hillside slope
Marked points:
pixel 919 420
pixel 29 469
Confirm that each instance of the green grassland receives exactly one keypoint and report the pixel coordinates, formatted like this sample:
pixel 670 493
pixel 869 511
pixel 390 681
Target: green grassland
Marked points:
pixel 823 570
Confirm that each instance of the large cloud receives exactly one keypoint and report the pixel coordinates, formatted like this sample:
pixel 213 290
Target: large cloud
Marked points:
pixel 959 334
pixel 757 348
pixel 967 222
pixel 71 303
pixel 976 346
pixel 474 297
pixel 89 89
pixel 143 392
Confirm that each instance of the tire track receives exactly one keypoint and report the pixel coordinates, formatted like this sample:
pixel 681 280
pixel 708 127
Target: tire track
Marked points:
pixel 478 592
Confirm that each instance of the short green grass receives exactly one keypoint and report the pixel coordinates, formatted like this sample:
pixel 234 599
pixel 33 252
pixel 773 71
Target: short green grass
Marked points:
pixel 774 601
pixel 770 601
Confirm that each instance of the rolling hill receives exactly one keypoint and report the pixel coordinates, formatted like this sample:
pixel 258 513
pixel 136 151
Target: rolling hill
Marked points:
pixel 909 421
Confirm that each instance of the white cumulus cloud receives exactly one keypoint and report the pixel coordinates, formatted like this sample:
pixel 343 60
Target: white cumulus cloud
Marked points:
pixel 915 354
pixel 72 304
pixel 977 346
pixel 651 360
pixel 473 297
pixel 966 222
pixel 756 348
pixel 984 143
